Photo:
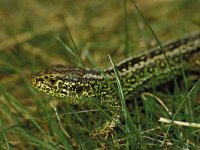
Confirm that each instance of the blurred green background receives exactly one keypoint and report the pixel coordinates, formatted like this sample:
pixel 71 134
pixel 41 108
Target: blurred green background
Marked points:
pixel 28 31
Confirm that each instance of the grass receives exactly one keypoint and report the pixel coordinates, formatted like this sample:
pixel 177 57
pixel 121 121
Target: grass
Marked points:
pixel 32 120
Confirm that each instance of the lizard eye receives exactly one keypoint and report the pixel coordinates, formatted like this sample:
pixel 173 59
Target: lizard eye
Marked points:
pixel 78 89
pixel 52 81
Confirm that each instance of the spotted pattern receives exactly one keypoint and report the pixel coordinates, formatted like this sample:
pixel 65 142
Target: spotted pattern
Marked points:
pixel 84 86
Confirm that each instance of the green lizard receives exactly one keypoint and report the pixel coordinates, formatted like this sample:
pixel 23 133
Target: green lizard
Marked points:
pixel 84 86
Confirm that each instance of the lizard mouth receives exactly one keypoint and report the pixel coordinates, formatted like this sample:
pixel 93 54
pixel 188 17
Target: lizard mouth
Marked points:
pixel 33 81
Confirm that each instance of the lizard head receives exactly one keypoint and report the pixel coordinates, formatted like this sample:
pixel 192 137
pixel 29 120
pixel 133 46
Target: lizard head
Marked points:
pixel 74 84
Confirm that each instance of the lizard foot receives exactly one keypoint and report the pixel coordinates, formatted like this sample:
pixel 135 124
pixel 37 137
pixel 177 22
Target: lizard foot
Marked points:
pixel 106 129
